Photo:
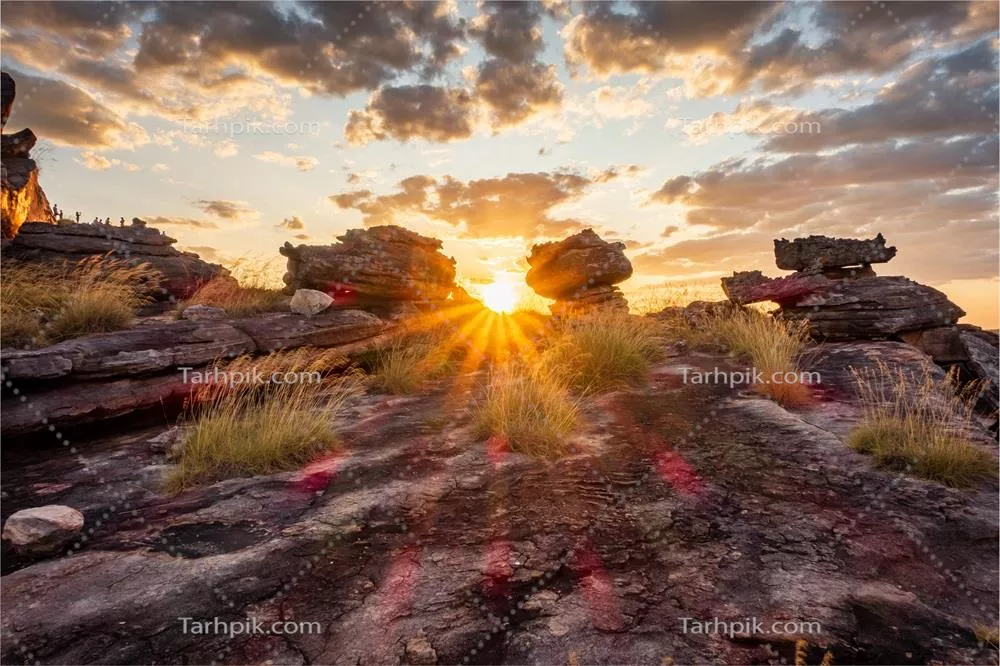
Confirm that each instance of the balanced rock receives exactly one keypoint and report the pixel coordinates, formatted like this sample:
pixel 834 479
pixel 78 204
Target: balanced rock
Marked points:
pixel 42 530
pixel 7 91
pixel 821 252
pixel 18 144
pixel 872 308
pixel 21 197
pixel 181 273
pixel 380 264
pixel 309 302
pixel 580 272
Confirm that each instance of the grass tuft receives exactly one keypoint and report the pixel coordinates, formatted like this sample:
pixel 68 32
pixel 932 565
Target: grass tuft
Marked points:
pixel 530 408
pixel 773 345
pixel 604 350
pixel 919 424
pixel 42 304
pixel 251 290
pixel 246 430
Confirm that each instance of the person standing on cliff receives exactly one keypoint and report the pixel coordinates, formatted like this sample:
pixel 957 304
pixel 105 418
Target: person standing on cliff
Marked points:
pixel 78 217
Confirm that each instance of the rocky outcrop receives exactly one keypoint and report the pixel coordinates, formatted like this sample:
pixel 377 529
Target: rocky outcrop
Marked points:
pixel 21 197
pixel 580 272
pixel 376 266
pixel 181 273
pixel 821 252
pixel 753 287
pixel 113 374
pixel 42 530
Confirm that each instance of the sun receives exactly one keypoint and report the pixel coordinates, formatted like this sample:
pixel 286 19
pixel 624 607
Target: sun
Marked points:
pixel 499 296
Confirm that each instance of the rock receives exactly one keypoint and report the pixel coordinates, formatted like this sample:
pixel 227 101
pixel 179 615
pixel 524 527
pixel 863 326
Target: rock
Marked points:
pixel 378 264
pixel 43 530
pixel 606 299
pixel 181 272
pixel 21 197
pixel 984 364
pixel 566 269
pixel 872 308
pixel 822 252
pixel 419 651
pixel 18 144
pixel 309 301
pixel 203 313
pixel 942 343
pixel 170 442
pixel 7 93
pixel 753 287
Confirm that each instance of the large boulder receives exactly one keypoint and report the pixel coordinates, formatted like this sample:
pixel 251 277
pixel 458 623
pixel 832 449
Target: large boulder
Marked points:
pixel 181 273
pixel 42 530
pixel 21 197
pixel 18 144
pixel 380 264
pixel 872 308
pixel 568 268
pixel 822 252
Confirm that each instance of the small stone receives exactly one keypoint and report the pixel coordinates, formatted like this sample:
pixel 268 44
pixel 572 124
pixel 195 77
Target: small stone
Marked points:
pixel 43 530
pixel 310 301
pixel 419 651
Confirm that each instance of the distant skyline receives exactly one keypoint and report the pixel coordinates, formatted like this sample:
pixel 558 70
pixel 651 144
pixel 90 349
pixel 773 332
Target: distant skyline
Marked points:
pixel 697 133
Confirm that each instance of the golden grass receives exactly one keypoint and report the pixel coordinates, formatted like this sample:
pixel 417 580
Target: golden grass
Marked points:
pixel 42 304
pixel 774 346
pixel 250 290
pixel 249 429
pixel 918 424
pixel 530 408
pixel 604 350
pixel 987 634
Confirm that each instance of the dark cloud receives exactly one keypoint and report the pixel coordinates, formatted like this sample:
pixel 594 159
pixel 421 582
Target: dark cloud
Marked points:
pixel 413 112
pixel 518 204
pixel 513 92
pixel 510 31
pixel 227 210
pixel 670 231
pixel 293 223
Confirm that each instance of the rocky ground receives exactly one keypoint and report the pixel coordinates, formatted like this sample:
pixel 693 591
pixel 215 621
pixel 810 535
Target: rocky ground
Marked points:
pixel 419 543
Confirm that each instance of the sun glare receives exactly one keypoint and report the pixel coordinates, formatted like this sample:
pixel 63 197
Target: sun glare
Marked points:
pixel 499 296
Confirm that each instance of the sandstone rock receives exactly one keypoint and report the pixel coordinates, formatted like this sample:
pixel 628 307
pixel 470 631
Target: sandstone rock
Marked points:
pixel 181 272
pixel 872 308
pixel 18 144
pixel 43 530
pixel 606 299
pixel 568 268
pixel 7 93
pixel 822 252
pixel 941 343
pixel 203 313
pixel 419 651
pixel 309 301
pixel 984 364
pixel 753 287
pixel 383 263
pixel 21 197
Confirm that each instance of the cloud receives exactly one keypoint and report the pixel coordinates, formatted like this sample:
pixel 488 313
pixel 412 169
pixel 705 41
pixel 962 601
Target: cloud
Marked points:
pixel 95 162
pixel 226 210
pixel 413 112
pixel 514 92
pixel 293 223
pixel 300 162
pixel 161 221
pixel 226 148
pixel 206 252
pixel 518 204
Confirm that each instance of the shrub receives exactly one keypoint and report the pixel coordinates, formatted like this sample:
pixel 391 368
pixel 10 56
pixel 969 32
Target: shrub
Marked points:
pixel 247 430
pixel 530 408
pixel 773 345
pixel 43 304
pixel 920 424
pixel 604 350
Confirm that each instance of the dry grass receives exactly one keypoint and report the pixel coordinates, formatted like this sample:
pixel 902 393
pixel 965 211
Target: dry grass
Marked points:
pixel 774 346
pixel 44 304
pixel 987 634
pixel 530 408
pixel 918 424
pixel 604 350
pixel 251 290
pixel 250 429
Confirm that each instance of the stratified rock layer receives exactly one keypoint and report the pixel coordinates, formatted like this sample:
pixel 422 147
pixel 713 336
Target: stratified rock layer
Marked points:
pixel 822 252
pixel 580 273
pixel 181 272
pixel 21 197
pixel 380 264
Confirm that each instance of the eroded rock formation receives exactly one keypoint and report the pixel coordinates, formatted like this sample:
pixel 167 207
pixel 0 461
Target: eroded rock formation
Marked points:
pixel 181 272
pixel 822 252
pixel 377 266
pixel 21 197
pixel 580 273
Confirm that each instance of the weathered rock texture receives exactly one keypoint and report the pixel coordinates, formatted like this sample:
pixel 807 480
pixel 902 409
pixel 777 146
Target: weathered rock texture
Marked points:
pixel 114 374
pixel 580 273
pixel 754 287
pixel 42 530
pixel 378 265
pixel 21 197
pixel 181 272
pixel 822 252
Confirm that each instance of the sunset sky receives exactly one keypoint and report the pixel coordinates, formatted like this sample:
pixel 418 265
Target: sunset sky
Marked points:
pixel 697 133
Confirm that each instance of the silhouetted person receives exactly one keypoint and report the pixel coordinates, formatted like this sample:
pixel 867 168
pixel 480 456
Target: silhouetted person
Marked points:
pixel 107 221
pixel 121 222
pixel 78 217
pixel 97 220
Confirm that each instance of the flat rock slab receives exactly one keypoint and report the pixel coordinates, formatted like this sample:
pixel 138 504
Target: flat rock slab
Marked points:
pixel 823 252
